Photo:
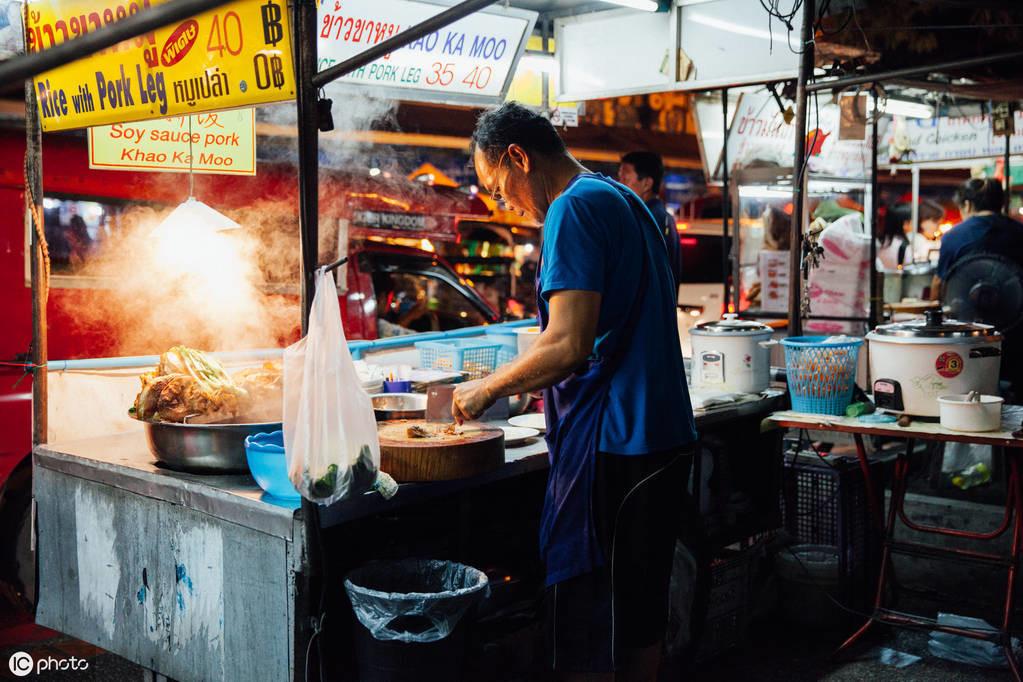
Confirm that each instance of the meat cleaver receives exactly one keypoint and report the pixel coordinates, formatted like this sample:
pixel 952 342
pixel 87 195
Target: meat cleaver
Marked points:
pixel 438 405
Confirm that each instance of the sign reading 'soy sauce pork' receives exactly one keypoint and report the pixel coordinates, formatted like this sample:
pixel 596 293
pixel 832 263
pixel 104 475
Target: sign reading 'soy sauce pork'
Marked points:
pixel 236 55
pixel 220 142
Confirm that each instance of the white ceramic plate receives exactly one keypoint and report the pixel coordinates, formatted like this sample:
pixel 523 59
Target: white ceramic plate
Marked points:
pixel 517 435
pixel 533 420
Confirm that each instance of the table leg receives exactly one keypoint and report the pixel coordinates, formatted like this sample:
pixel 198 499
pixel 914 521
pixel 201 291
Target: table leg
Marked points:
pixel 888 530
pixel 1016 495
pixel 876 506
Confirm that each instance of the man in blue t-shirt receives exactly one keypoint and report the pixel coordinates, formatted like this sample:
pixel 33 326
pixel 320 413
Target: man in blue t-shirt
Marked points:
pixel 620 426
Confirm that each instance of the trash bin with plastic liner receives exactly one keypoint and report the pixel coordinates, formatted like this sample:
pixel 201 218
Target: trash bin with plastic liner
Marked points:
pixel 410 611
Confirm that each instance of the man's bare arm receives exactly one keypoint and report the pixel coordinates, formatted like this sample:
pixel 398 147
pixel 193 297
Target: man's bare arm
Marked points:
pixel 557 352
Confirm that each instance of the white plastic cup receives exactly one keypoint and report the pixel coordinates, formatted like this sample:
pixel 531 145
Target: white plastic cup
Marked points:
pixel 527 337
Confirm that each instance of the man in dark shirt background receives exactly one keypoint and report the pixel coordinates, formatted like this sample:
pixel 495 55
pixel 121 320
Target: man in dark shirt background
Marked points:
pixel 642 172
pixel 985 229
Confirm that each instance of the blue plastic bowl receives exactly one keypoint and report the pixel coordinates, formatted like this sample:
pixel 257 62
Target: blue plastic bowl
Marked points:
pixel 265 454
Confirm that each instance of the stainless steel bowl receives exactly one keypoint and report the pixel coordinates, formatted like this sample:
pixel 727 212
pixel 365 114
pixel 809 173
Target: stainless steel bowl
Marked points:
pixel 389 406
pixel 203 448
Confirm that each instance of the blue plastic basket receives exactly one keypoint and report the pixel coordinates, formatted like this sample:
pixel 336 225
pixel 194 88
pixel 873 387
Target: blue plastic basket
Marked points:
pixel 821 374
pixel 504 356
pixel 476 358
pixel 507 337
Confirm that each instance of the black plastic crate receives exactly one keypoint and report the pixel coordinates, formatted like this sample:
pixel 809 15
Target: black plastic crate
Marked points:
pixel 729 602
pixel 824 502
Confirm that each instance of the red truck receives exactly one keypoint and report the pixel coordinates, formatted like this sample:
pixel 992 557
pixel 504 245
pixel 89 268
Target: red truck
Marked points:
pixel 387 225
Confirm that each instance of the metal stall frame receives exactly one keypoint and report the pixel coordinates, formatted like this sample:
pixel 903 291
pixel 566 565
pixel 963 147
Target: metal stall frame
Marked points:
pixel 806 85
pixel 309 81
pixel 309 590
pixel 25 67
pixel 804 89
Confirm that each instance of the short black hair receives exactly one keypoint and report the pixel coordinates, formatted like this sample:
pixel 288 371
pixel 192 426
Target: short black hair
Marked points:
pixel 512 123
pixel 647 165
pixel 984 194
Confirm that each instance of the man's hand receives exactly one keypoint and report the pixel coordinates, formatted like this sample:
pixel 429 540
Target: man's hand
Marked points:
pixel 470 400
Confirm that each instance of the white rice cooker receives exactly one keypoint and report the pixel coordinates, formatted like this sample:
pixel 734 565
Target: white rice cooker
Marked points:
pixel 913 363
pixel 732 355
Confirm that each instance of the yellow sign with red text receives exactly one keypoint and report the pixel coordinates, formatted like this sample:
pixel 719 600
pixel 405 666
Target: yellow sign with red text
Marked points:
pixel 236 55
pixel 222 143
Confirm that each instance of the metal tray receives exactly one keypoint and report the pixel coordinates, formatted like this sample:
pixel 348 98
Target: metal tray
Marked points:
pixel 203 448
pixel 391 406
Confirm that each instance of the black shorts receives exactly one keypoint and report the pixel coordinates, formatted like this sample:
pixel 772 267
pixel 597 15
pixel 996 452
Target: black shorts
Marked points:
pixel 638 503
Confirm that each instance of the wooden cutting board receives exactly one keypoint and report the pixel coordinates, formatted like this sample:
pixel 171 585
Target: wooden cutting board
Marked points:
pixel 474 449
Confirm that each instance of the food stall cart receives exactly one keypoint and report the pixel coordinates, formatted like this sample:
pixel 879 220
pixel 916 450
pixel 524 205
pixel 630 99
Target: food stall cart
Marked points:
pixel 166 568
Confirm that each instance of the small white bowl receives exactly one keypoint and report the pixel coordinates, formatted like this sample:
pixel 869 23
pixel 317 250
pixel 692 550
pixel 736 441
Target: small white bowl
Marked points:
pixel 958 414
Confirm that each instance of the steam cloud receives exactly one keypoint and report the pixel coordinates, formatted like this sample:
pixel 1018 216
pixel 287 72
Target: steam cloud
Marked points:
pixel 231 290
pixel 205 291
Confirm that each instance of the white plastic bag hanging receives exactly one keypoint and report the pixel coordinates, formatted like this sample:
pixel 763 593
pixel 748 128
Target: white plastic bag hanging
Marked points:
pixel 330 432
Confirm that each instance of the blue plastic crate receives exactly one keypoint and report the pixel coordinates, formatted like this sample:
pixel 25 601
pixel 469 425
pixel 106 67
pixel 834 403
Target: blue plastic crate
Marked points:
pixel 821 373
pixel 476 358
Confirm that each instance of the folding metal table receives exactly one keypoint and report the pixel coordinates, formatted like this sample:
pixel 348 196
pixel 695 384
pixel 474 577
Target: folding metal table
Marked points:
pixel 1002 440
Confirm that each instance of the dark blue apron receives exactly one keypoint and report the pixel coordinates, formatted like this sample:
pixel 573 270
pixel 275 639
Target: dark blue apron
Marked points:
pixel 574 409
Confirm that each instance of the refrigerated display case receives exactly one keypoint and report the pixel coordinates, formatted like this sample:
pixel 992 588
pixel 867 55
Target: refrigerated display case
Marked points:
pixel 762 209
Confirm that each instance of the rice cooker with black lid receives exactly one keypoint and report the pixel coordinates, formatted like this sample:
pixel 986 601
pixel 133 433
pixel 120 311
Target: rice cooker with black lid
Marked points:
pixel 732 355
pixel 913 363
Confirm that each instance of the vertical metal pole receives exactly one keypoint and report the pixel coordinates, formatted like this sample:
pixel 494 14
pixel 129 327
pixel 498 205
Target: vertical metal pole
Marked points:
pixel 874 308
pixel 726 269
pixel 308 152
pixel 38 264
pixel 798 175
pixel 545 78
pixel 310 583
pixel 1007 170
pixel 915 174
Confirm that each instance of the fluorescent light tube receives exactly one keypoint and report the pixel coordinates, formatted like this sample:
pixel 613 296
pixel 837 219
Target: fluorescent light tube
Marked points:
pixel 644 5
pixel 732 27
pixel 902 107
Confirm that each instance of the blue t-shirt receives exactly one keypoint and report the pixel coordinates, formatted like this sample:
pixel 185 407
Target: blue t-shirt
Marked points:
pixel 593 241
pixel 994 232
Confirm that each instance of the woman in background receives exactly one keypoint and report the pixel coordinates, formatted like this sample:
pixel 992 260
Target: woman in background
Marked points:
pixel 897 247
pixel 984 229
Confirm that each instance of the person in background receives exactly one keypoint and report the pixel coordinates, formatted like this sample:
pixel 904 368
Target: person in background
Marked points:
pixel 777 229
pixel 984 228
pixel 642 172
pixel 79 239
pixel 897 246
pixel 620 426
pixel 777 237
